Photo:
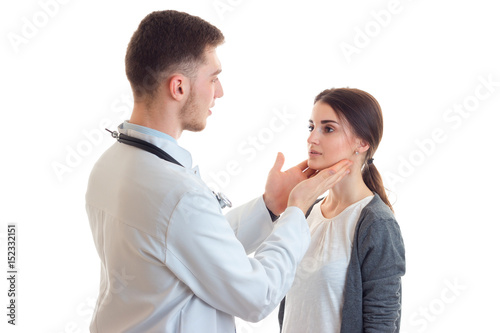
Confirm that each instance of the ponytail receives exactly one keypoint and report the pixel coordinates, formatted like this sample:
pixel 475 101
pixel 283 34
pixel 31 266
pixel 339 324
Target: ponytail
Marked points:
pixel 373 180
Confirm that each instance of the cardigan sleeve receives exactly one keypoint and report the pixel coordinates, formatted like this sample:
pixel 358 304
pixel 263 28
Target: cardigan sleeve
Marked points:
pixel 382 259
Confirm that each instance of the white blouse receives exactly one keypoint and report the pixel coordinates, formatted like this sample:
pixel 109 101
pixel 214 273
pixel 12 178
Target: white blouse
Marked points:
pixel 314 303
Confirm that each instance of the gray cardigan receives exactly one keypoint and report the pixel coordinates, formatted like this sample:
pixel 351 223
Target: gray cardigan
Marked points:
pixel 372 299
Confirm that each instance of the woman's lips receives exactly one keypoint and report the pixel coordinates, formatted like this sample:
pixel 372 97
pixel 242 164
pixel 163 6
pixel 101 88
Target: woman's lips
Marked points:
pixel 314 153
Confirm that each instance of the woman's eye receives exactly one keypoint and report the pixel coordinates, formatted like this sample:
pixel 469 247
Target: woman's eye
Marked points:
pixel 329 129
pixel 311 127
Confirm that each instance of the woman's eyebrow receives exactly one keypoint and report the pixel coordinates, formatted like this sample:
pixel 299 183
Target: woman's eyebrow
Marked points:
pixel 325 121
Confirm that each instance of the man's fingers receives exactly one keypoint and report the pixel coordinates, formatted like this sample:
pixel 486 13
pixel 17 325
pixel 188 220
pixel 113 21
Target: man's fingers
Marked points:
pixel 333 177
pixel 302 165
pixel 309 172
pixel 334 174
pixel 338 168
pixel 339 165
pixel 339 175
pixel 304 194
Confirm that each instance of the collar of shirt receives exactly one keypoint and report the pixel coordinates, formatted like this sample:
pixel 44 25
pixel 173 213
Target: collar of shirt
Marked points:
pixel 162 141
pixel 146 130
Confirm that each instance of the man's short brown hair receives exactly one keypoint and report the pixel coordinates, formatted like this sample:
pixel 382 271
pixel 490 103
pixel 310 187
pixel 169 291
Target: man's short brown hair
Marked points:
pixel 166 42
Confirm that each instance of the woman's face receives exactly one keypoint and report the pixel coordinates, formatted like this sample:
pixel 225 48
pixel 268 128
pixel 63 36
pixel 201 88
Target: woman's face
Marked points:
pixel 331 139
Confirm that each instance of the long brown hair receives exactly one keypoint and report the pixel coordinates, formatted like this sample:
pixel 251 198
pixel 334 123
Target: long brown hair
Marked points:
pixel 363 114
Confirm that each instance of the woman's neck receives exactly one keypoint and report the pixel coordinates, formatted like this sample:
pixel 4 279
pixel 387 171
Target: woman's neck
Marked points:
pixel 349 190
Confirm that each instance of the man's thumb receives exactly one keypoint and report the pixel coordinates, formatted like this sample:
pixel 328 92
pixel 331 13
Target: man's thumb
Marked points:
pixel 280 161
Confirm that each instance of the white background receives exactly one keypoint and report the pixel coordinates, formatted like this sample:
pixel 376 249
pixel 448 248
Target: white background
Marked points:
pixel 63 78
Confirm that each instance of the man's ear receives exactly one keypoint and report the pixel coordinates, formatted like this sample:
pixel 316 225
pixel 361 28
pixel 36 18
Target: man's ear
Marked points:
pixel 363 146
pixel 178 86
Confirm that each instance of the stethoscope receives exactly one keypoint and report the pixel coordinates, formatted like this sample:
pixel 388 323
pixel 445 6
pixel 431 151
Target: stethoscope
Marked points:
pixel 144 145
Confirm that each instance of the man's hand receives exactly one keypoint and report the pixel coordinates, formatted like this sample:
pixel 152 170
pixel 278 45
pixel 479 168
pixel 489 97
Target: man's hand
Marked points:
pixel 279 184
pixel 304 194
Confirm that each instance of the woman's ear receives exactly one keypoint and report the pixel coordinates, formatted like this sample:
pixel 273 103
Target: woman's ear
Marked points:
pixel 363 146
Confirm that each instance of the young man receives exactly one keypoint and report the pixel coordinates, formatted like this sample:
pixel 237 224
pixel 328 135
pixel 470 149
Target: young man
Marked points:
pixel 170 260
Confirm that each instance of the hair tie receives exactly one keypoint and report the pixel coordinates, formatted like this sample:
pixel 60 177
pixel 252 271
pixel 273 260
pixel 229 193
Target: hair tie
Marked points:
pixel 370 160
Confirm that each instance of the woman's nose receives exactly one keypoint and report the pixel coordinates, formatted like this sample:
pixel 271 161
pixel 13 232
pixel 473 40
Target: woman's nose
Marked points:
pixel 313 138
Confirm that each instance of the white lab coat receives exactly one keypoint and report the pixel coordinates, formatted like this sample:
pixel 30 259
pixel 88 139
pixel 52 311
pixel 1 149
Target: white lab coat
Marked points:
pixel 170 260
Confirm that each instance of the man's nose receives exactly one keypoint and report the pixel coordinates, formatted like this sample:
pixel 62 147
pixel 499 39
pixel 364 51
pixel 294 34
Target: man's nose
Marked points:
pixel 219 92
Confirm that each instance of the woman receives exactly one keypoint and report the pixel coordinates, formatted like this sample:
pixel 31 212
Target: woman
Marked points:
pixel 350 279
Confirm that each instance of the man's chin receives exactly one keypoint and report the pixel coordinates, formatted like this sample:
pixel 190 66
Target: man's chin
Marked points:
pixel 198 127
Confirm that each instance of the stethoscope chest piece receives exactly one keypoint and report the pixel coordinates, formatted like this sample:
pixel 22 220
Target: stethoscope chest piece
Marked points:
pixel 223 200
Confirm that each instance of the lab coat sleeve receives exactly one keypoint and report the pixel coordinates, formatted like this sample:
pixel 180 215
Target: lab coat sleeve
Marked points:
pixel 204 253
pixel 251 223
